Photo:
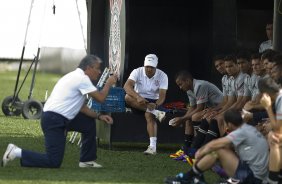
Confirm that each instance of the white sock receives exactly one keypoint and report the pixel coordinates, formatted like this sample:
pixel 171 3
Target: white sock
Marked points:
pixel 18 152
pixel 271 182
pixel 153 142
pixel 154 111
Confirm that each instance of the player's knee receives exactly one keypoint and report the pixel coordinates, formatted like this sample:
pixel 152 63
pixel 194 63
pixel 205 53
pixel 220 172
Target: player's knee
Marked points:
pixel 127 98
pixel 55 162
pixel 149 117
pixel 196 117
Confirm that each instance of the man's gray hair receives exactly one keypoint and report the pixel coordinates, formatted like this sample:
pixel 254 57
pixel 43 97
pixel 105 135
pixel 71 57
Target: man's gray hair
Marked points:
pixel 89 60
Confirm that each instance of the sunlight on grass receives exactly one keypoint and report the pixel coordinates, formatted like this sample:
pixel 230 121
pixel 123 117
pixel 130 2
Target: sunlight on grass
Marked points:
pixel 43 82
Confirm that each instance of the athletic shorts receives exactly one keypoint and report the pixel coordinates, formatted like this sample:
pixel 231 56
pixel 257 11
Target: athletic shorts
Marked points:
pixel 245 174
pixel 137 111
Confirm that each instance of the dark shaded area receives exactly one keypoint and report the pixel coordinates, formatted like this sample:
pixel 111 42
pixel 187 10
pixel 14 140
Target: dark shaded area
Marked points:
pixel 183 34
pixel 97 28
pixel 252 17
pixel 178 32
pixel 133 128
pixel 277 20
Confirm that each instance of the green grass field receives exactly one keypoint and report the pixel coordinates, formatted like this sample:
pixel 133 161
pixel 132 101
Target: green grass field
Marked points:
pixel 125 163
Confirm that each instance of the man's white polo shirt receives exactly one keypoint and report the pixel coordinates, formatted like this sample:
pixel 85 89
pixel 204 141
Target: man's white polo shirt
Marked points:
pixel 149 87
pixel 68 95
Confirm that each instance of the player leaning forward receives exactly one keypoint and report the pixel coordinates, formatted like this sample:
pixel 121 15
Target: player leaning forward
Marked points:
pixel 65 110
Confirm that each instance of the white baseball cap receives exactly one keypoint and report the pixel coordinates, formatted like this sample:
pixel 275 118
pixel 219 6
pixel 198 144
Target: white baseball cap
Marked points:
pixel 151 60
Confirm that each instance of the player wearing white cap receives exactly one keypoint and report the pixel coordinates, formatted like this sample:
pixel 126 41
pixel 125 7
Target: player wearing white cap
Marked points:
pixel 146 90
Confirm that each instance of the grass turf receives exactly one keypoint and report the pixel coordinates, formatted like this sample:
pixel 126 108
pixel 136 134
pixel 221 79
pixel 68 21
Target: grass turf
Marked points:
pixel 125 163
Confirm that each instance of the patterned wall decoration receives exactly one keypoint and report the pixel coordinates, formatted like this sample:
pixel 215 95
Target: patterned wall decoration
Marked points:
pixel 114 40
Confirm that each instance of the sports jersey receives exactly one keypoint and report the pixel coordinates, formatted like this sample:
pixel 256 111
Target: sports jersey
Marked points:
pixel 149 87
pixel 204 92
pixel 237 87
pixel 252 85
pixel 225 86
pixel 278 106
pixel 251 147
pixel 265 45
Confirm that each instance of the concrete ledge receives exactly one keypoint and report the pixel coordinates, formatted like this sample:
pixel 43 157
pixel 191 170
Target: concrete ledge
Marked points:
pixel 130 127
pixel 60 60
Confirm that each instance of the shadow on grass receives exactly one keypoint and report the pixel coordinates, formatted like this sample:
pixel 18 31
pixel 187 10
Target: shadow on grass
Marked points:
pixel 139 147
pixel 15 117
pixel 124 164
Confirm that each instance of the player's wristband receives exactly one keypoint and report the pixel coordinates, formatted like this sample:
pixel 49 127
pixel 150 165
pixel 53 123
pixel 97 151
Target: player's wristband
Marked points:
pixel 98 116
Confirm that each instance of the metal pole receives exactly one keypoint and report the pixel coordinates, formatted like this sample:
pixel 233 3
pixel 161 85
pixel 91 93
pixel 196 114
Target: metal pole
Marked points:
pixel 81 27
pixel 22 56
pixel 277 25
pixel 33 75
pixel 89 18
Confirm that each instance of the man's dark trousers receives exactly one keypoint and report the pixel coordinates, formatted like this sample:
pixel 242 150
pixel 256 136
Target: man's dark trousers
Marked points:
pixel 55 127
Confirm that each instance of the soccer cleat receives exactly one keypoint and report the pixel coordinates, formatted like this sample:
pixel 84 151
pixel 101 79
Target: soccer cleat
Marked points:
pixel 183 179
pixel 181 157
pixel 229 181
pixel 92 164
pixel 233 181
pixel 199 180
pixel 190 161
pixel 177 154
pixel 160 115
pixel 9 154
pixel 178 179
pixel 150 151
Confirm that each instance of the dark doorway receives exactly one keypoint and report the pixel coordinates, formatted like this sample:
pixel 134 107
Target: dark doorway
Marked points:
pixel 178 32
pixel 183 34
